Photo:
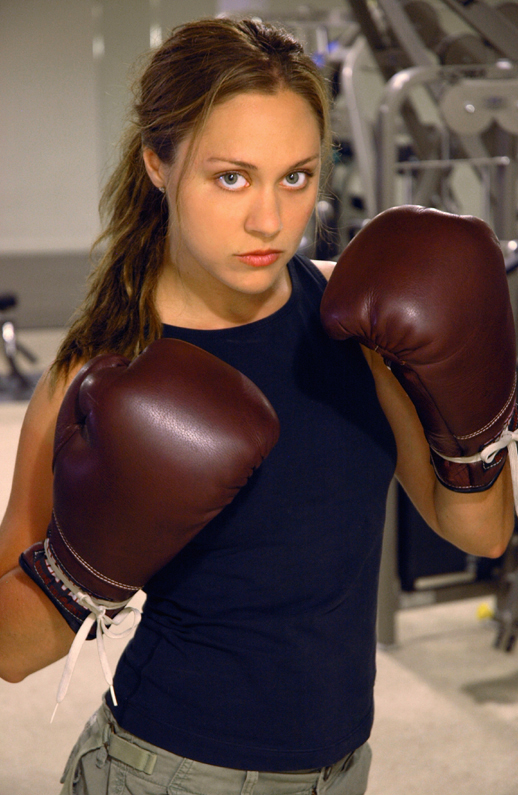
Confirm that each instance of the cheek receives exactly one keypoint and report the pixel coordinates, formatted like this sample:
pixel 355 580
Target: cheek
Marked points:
pixel 203 209
pixel 299 213
pixel 194 221
pixel 204 229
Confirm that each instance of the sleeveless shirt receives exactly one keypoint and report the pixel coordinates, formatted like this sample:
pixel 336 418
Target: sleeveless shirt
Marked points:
pixel 256 648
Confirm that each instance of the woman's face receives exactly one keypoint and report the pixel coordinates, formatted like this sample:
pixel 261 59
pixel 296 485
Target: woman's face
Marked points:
pixel 247 195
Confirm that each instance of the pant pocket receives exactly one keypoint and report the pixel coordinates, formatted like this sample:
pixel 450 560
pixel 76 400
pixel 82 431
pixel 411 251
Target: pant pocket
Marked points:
pixel 90 743
pixel 133 783
pixel 353 778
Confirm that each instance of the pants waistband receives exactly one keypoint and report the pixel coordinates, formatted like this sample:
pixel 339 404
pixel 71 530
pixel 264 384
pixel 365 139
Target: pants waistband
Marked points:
pixel 130 753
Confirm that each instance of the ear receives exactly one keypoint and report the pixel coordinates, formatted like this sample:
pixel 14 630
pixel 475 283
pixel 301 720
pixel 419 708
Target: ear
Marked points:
pixel 156 170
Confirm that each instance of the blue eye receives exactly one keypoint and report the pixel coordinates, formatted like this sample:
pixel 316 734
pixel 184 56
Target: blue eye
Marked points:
pixel 232 180
pixel 297 179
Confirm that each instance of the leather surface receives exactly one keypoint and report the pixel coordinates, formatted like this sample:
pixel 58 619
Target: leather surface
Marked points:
pixel 146 454
pixel 428 291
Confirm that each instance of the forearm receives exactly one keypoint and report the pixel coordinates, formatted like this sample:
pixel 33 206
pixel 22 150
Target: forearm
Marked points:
pixel 32 632
pixel 480 523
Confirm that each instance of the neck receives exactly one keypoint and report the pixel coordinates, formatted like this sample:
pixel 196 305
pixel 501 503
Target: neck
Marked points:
pixel 190 302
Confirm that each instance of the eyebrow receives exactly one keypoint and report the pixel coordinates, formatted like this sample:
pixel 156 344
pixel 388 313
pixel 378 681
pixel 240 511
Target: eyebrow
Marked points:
pixel 243 164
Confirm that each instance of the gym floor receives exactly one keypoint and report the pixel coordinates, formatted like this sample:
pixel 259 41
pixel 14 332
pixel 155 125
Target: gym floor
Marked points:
pixel 446 700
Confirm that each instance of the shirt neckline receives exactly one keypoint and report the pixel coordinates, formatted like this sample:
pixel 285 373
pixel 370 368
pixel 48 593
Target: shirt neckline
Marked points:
pixel 243 328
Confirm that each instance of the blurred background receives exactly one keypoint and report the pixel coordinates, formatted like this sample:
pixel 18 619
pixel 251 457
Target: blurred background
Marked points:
pixel 425 111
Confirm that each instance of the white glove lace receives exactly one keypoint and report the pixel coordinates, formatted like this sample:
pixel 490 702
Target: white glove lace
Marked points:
pixel 507 439
pixel 98 614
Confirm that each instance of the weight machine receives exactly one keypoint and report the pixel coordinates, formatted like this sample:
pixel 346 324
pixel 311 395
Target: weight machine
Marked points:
pixel 446 112
pixel 15 385
pixel 470 81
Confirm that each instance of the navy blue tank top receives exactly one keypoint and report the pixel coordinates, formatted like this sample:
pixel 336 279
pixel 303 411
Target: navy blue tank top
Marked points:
pixel 256 649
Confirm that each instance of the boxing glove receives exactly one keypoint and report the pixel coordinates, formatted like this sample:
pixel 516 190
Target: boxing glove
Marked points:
pixel 145 455
pixel 428 291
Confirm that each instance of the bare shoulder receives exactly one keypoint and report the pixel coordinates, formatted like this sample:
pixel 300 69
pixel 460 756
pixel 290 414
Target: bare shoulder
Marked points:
pixel 325 267
pixel 43 409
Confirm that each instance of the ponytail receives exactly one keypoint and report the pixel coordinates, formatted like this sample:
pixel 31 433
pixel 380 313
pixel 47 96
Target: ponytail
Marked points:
pixel 118 314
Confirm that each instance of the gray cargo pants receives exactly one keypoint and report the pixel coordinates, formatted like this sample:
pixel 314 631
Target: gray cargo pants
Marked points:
pixel 107 760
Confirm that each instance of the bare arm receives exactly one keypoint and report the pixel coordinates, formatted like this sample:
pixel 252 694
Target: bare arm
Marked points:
pixel 32 632
pixel 480 523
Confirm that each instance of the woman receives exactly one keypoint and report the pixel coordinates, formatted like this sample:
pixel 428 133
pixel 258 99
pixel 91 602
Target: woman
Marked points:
pixel 252 669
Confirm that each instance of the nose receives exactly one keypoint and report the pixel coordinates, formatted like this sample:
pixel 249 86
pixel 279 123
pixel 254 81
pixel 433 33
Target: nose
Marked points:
pixel 264 214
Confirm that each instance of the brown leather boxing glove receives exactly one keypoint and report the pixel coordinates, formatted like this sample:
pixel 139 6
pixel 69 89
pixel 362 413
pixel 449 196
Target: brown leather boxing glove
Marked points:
pixel 428 291
pixel 146 454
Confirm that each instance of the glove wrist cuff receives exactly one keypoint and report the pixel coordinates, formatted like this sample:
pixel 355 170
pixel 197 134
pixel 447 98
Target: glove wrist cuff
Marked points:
pixel 35 564
pixel 479 471
pixel 87 616
pixel 467 477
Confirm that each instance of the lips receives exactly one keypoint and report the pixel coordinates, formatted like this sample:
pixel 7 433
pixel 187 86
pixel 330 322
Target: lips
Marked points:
pixel 260 258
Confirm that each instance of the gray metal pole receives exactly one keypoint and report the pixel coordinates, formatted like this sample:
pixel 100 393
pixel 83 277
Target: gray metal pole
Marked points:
pixel 389 586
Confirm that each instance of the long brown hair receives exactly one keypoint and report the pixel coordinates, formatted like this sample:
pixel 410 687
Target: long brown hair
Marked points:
pixel 201 64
